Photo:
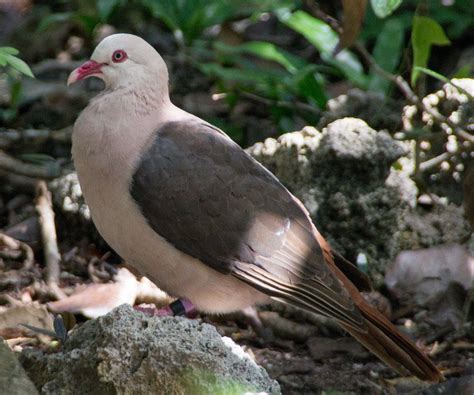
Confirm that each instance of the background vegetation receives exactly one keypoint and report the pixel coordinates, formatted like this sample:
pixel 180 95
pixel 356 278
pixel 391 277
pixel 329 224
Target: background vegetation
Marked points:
pixel 257 69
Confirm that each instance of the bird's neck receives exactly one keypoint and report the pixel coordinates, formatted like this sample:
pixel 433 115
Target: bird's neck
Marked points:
pixel 139 96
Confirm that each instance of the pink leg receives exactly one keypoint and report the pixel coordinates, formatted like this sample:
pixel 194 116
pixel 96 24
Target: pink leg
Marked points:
pixel 180 307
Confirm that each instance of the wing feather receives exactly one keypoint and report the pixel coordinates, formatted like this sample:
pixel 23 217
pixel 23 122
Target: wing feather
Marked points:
pixel 207 197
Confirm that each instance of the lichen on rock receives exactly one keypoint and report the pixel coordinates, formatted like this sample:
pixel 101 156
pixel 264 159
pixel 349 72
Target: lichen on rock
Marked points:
pixel 126 352
pixel 343 175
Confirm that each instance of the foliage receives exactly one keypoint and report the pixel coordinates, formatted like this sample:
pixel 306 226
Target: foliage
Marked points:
pixel 387 53
pixel 8 58
pixel 292 82
pixel 12 65
pixel 384 8
pixel 426 33
pixel 325 40
pixel 188 19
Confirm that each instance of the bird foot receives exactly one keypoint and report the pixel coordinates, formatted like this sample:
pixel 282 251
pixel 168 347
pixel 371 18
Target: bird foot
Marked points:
pixel 180 307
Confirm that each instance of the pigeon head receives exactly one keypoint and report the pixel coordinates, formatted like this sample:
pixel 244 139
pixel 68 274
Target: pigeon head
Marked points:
pixel 122 60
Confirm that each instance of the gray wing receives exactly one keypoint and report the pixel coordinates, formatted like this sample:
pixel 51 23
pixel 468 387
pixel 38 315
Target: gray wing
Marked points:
pixel 206 196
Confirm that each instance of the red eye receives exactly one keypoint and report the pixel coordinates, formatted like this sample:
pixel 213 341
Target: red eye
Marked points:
pixel 119 56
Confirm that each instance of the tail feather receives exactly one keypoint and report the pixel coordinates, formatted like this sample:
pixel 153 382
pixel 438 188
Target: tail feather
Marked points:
pixel 380 336
pixel 393 347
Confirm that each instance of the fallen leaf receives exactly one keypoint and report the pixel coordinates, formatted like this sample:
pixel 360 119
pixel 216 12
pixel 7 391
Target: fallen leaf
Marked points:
pixel 422 275
pixel 95 300
pixel 38 317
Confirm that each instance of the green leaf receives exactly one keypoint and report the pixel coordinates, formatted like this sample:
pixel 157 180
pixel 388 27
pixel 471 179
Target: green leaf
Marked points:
pixel 433 74
pixel 88 22
pixel 311 86
pixel 105 7
pixel 266 51
pixel 5 52
pixel 383 8
pixel 387 53
pixel 19 65
pixel 234 74
pixel 464 71
pixel 444 79
pixel 15 92
pixel 314 30
pixel 426 33
pixel 59 17
pixel 8 51
pixel 320 34
pixel 37 158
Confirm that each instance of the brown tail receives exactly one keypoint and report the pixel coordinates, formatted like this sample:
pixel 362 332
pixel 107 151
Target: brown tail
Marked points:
pixel 393 347
pixel 381 337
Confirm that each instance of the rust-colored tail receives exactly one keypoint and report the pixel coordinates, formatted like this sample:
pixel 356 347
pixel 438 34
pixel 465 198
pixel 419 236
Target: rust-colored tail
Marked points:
pixel 392 346
pixel 380 336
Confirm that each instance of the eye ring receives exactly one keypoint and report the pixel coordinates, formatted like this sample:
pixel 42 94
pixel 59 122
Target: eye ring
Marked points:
pixel 119 56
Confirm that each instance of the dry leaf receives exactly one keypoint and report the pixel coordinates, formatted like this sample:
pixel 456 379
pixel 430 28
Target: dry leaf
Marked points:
pixel 354 11
pixel 427 273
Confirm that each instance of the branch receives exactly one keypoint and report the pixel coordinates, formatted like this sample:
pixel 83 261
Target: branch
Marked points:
pixel 9 137
pixel 48 234
pixel 280 103
pixel 16 166
pixel 436 161
pixel 14 244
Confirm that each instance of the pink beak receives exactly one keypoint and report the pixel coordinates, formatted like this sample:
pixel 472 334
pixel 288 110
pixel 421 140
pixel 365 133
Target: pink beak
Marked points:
pixel 88 69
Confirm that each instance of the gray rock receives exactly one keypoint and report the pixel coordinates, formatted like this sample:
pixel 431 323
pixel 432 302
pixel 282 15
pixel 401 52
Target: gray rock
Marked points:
pixel 73 212
pixel 443 224
pixel 68 197
pixel 127 352
pixel 344 177
pixel 13 378
pixel 378 111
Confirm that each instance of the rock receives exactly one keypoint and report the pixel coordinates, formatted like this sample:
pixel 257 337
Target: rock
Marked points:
pixel 13 378
pixel 378 111
pixel 127 352
pixel 72 209
pixel 426 274
pixel 463 385
pixel 354 147
pixel 68 196
pixel 442 224
pixel 344 177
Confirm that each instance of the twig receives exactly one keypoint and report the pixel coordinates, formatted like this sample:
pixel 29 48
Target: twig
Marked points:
pixel 280 103
pixel 54 66
pixel 8 137
pixel 48 234
pixel 439 334
pixel 463 345
pixel 17 181
pixel 14 244
pixel 16 166
pixel 436 161
pixel 285 328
